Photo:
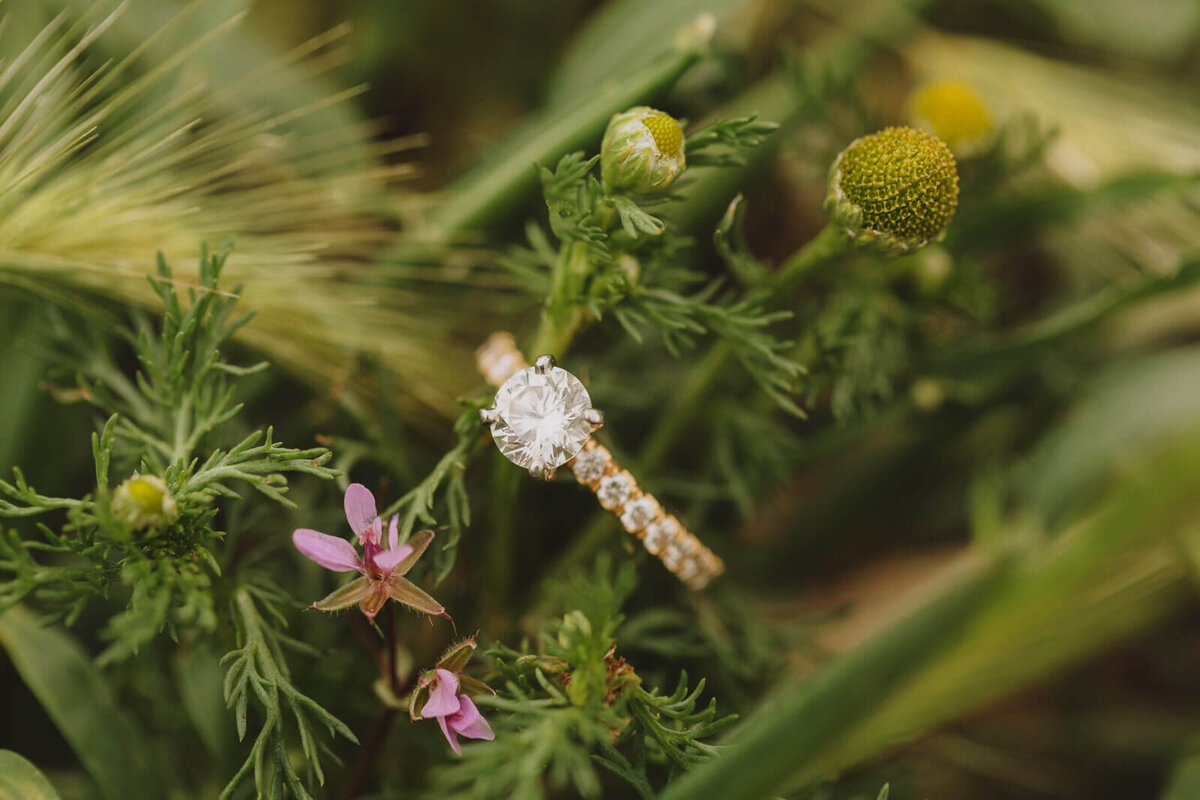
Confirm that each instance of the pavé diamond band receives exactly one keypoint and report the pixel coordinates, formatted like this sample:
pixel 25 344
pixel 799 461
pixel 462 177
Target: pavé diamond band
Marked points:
pixel 542 419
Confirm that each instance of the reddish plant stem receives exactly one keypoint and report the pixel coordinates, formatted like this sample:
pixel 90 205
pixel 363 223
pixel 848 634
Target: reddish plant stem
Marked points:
pixel 372 747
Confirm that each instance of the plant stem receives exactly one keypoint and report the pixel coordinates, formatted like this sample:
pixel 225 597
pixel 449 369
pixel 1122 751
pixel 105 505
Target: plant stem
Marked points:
pixel 823 248
pixel 500 563
pixel 372 747
pixel 562 316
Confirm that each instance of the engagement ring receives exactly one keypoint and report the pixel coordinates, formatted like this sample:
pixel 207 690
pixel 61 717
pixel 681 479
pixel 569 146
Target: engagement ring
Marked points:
pixel 542 419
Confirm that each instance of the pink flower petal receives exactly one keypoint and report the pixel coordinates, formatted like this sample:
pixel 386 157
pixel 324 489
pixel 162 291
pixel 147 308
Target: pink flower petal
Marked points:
pixel 388 559
pixel 328 551
pixel 394 532
pixel 450 736
pixel 443 699
pixel 360 508
pixel 469 722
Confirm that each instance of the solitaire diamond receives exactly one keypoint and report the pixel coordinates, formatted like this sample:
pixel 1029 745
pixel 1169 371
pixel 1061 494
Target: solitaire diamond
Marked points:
pixel 540 418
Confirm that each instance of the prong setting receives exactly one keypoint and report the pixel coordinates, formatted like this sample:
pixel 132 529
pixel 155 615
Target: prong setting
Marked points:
pixel 595 418
pixel 541 472
pixel 488 416
pixel 544 364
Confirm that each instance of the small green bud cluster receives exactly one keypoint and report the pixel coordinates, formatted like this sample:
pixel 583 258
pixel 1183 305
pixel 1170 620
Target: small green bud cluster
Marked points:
pixel 894 190
pixel 642 151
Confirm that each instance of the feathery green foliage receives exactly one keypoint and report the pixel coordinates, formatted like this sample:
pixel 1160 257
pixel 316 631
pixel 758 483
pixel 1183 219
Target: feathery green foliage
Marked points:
pixel 161 424
pixel 571 703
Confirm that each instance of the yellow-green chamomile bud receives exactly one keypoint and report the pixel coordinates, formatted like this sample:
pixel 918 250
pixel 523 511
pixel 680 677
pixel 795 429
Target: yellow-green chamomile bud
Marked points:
pixel 143 501
pixel 954 112
pixel 642 151
pixel 894 190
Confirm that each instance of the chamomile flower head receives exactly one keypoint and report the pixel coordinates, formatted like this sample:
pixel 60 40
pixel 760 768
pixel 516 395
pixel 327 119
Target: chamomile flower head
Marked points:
pixel 143 501
pixel 894 191
pixel 642 151
pixel 954 112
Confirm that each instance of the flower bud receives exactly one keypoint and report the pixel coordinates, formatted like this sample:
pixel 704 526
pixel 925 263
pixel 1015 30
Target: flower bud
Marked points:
pixel 642 151
pixel 954 112
pixel 143 501
pixel 453 661
pixel 894 190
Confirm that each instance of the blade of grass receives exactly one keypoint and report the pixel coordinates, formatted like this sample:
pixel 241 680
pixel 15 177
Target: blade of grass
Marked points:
pixel 20 780
pixel 799 722
pixel 82 705
pixel 1118 572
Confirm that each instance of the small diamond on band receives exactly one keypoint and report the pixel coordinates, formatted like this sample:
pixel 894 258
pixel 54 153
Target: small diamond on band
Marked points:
pixel 689 569
pixel 498 359
pixel 591 464
pixel 679 550
pixel 614 490
pixel 660 534
pixel 639 513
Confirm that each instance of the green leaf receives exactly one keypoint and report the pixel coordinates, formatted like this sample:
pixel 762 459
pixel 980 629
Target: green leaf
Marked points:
pixel 198 679
pixel 626 35
pixel 1121 571
pixel 20 780
pixel 82 705
pixel 804 718
pixel 1185 779
pixel 634 220
pixel 1129 408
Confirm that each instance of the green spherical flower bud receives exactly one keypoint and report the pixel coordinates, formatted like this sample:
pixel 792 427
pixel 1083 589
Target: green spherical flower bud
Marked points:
pixel 642 151
pixel 143 501
pixel 894 190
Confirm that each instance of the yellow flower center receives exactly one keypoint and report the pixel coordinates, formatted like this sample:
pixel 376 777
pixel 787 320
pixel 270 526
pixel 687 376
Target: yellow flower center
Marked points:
pixel 953 109
pixel 666 132
pixel 904 180
pixel 147 495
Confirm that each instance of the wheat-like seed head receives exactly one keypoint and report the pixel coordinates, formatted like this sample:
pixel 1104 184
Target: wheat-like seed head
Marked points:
pixel 102 167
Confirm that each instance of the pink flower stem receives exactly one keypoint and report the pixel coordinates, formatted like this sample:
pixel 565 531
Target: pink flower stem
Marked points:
pixel 369 753
pixel 372 748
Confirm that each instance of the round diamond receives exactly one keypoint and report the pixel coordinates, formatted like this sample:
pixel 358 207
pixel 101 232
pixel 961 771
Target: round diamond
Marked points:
pixel 639 513
pixel 678 552
pixel 615 490
pixel 540 421
pixel 590 465
pixel 660 534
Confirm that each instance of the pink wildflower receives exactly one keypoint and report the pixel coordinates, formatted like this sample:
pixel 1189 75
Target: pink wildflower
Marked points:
pixel 445 700
pixel 382 570
pixel 455 712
